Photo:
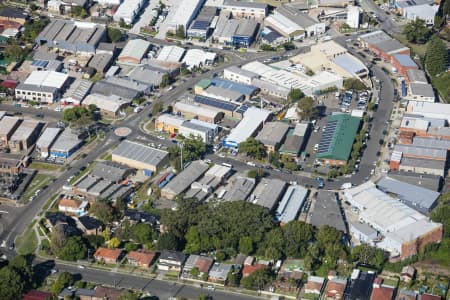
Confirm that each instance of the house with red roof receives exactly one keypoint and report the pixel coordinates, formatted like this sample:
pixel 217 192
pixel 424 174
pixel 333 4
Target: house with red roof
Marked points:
pixel 250 269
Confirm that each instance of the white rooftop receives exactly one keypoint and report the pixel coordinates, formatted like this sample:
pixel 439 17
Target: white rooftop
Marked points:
pixel 196 57
pixel 47 78
pixel 171 54
pixel 253 118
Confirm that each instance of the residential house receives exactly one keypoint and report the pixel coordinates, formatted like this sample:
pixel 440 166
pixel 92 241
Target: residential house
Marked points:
pixel 250 269
pixel 141 258
pixel 335 288
pixel 37 295
pixel 171 260
pixel 72 206
pixel 107 293
pixel 90 225
pixel 381 292
pixel 406 295
pixel 219 273
pixel 201 263
pixel 137 216
pixel 110 256
pixel 290 275
pixel 82 294
pixel 314 285
pixel 407 274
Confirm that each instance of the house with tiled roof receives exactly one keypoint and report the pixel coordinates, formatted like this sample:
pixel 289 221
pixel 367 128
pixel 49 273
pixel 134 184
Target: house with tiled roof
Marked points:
pixel 106 255
pixel 72 206
pixel 250 269
pixel 141 258
pixel 201 263
pixel 335 288
pixel 314 285
pixel 380 291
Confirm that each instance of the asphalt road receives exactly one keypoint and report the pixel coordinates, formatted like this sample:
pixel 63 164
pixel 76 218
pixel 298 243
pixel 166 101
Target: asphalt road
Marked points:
pixel 385 20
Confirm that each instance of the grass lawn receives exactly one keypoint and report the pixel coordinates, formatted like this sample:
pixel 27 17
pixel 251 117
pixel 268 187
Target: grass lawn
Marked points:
pixel 442 84
pixel 45 166
pixel 418 49
pixel 38 182
pixel 310 296
pixel 27 242
pixel 106 156
pixel 82 173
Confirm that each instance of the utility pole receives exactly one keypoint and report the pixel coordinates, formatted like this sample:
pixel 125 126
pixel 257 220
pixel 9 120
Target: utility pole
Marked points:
pixel 181 148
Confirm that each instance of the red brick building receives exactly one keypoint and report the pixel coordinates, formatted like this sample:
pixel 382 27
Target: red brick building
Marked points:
pixel 403 63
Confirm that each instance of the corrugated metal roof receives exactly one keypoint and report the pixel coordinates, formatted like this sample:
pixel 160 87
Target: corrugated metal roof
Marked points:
pixel 291 203
pixel 140 153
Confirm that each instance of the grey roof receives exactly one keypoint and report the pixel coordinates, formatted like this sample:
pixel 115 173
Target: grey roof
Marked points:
pixel 268 192
pixel 66 141
pixel 423 163
pixel 141 153
pixel 197 127
pixel 217 91
pixel 100 62
pixel 220 271
pixel 121 192
pixel 273 133
pixel 296 16
pixel 326 211
pixel 291 203
pixel 292 144
pixel 363 228
pixel 421 89
pixel 428 181
pixel 173 255
pixel 419 197
pixel 99 187
pixel 431 142
pixel 147 75
pixel 383 41
pixel 121 87
pixel 45 55
pixel 106 47
pixel 225 28
pixel 421 152
pixel 247 27
pixel 390 46
pixel 86 183
pixel 242 72
pixel 416 75
pixel 80 89
pixel 7 123
pixel 239 188
pixel 110 170
pixel 48 137
pixel 186 177
pixel 36 88
pixel 25 129
pixel 111 190
pixel 245 4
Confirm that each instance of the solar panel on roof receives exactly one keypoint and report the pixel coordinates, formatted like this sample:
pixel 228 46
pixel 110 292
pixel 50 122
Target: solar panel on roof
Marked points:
pixel 39 63
pixel 215 103
pixel 200 25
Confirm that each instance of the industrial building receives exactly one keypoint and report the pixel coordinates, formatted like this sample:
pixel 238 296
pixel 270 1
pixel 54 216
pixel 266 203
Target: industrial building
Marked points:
pixel 421 92
pixel 78 90
pixel 72 36
pixel 169 123
pixel 147 75
pixel 8 126
pixel 424 12
pixel 197 58
pixel 185 13
pixel 236 74
pixel 245 33
pixel 109 106
pixel 402 63
pixel 25 135
pixel 42 86
pixel 405 231
pixel 204 187
pixel 293 23
pixel 202 26
pixel 296 139
pixel 363 232
pixel 272 37
pixel 171 54
pixel 327 211
pixel 249 125
pixel 139 156
pixel 229 109
pixel 416 197
pixel 268 193
pixel 128 11
pixel 101 62
pixel 244 9
pixel 46 140
pixel 225 28
pixel 383 45
pixel 184 179
pixel 238 188
pixel 290 204
pixel 133 52
pixel 273 135
pixel 195 111
pixel 199 130
pixel 429 110
pixel 336 141
pixel 65 145
pixel 244 89
pixel 122 87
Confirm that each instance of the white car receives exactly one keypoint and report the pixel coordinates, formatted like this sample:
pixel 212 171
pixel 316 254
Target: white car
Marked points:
pixel 250 163
pixel 81 267
pixel 372 171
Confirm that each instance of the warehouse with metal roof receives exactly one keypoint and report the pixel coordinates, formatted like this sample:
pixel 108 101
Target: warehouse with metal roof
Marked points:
pixel 42 86
pixel 290 205
pixel 416 197
pixel 78 90
pixel 171 54
pixel 249 125
pixel 25 135
pixel 46 140
pixel 72 36
pixel 133 52
pixel 184 14
pixel 272 135
pixel 128 11
pixel 336 141
pixel 7 127
pixel 268 193
pixel 245 89
pixel 139 156
pixel 65 145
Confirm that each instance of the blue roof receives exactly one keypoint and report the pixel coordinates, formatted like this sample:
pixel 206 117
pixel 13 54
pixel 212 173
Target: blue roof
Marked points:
pixel 242 109
pixel 199 24
pixel 215 103
pixel 405 60
pixel 349 64
pixel 39 63
pixel 230 85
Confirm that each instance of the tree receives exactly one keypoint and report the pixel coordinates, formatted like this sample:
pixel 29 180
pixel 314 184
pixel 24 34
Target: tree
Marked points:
pixel 23 267
pixel 273 244
pixel 168 241
pixel 194 272
pixel 78 115
pixel 266 47
pixel 113 243
pixel 11 284
pixel 253 148
pixel 79 11
pixel 128 295
pixel 442 215
pixel 368 255
pixel 416 31
pixel 73 250
pixel 255 174
pixel 307 108
pixel 157 107
pixel 295 95
pixel 257 280
pixel 143 233
pixel 354 84
pixel 14 52
pixel 297 236
pixel 193 148
pixel 180 33
pixel 114 34
pixel 102 211
pixel 436 56
pixel 64 280
pixel 246 245
pixel 165 81
pixel 58 240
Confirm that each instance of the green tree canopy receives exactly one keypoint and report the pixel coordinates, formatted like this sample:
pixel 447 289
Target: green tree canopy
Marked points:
pixel 73 250
pixel 416 31
pixel 11 284
pixel 295 95
pixel 157 107
pixel 102 211
pixel 253 148
pixel 436 57
pixel 169 241
pixel 114 34
pixel 368 255
pixel 354 84
pixel 78 115
pixel 14 52
pixel 257 280
pixel 143 233
pixel 307 108
pixel 23 267
pixel 64 280
pixel 246 245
